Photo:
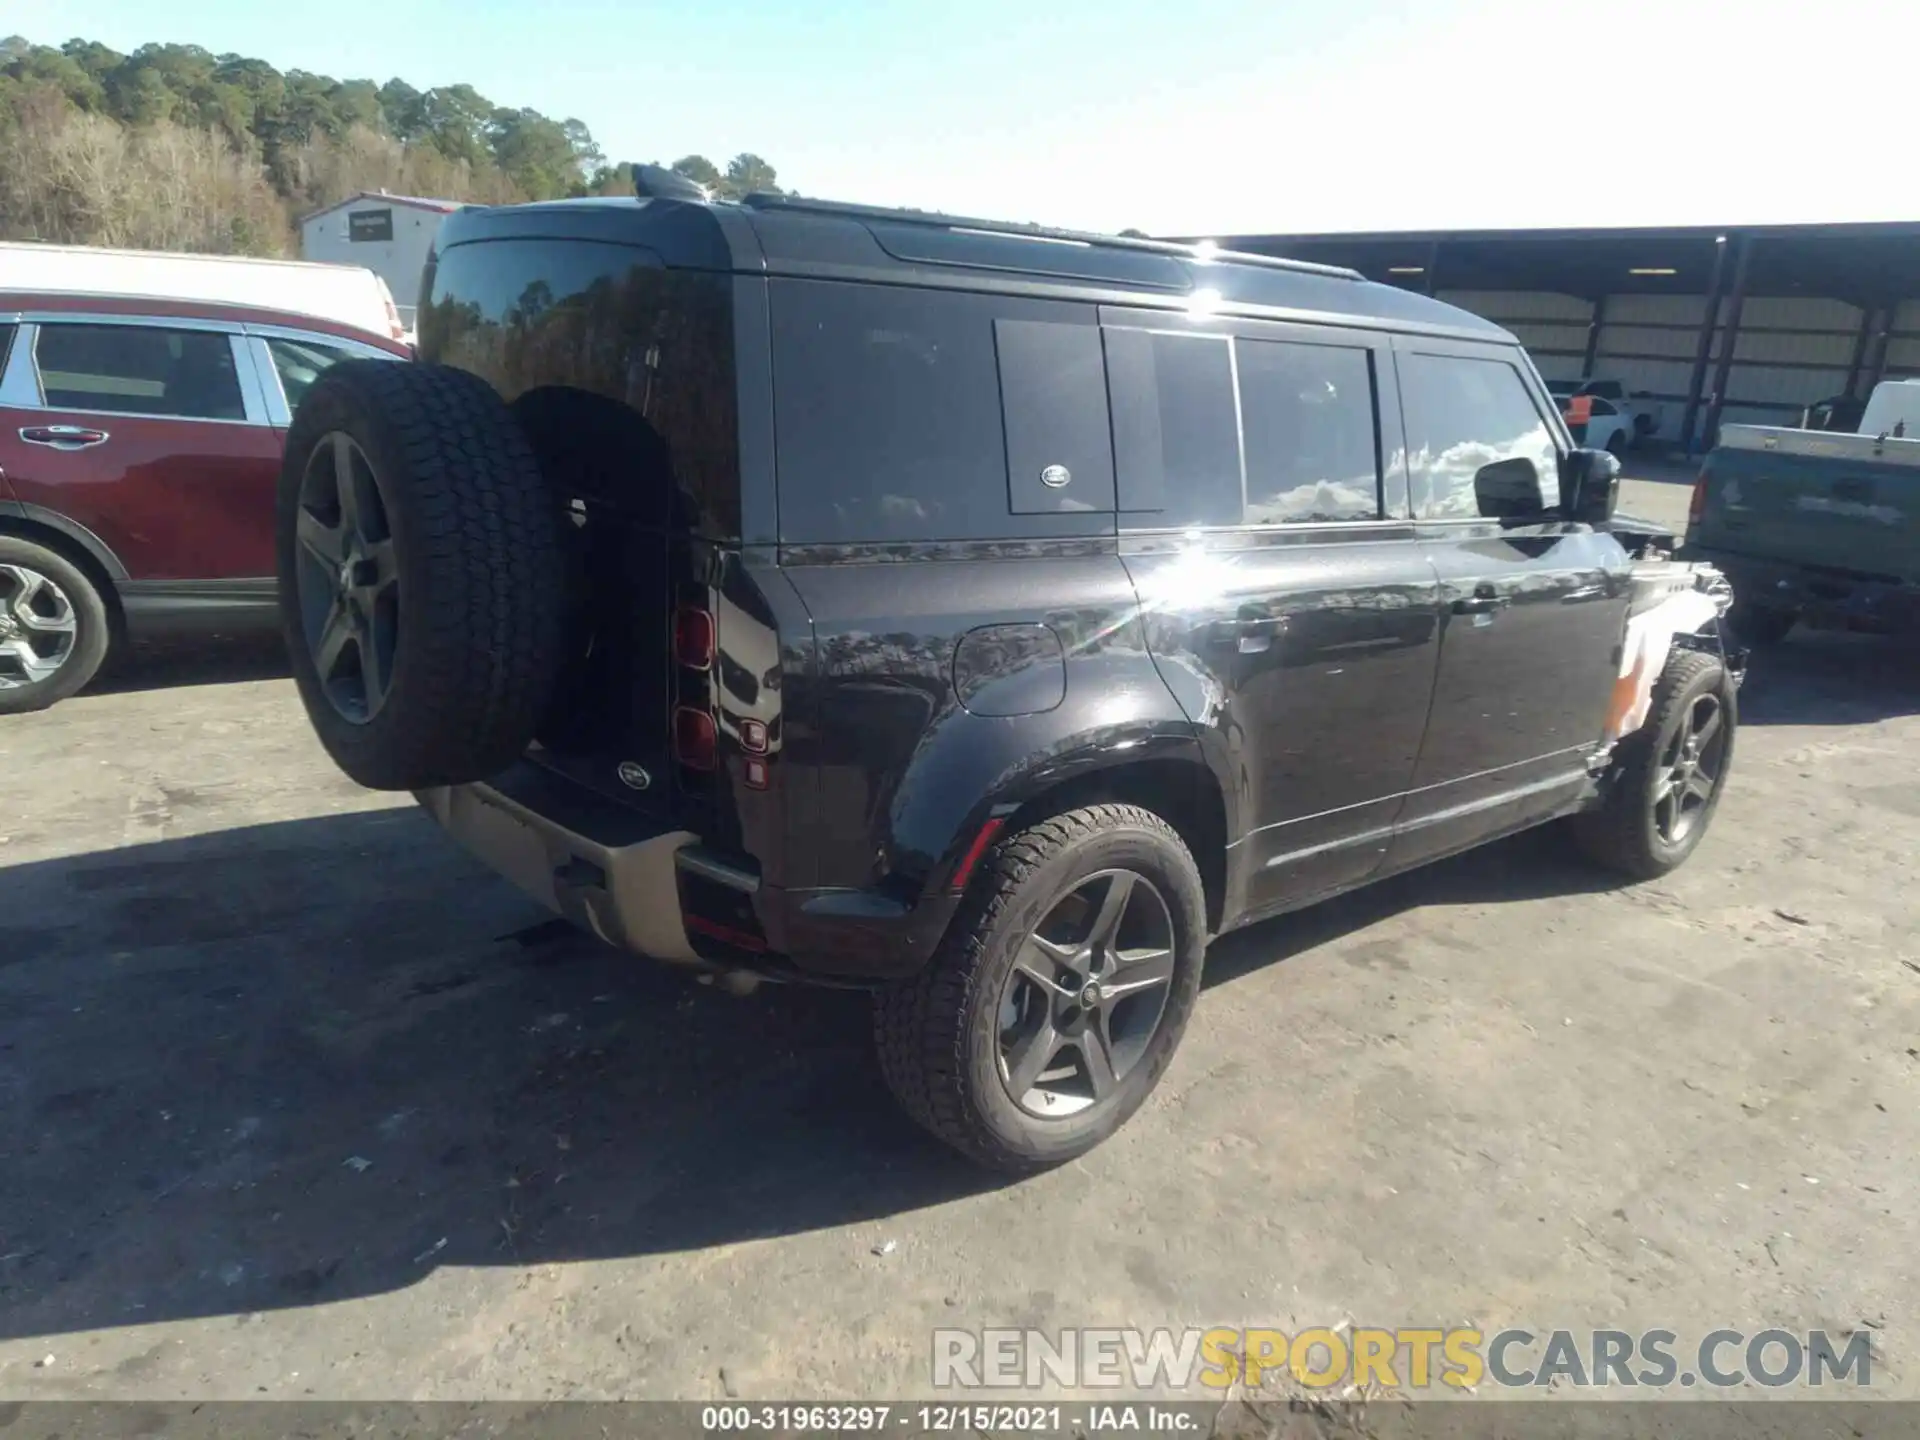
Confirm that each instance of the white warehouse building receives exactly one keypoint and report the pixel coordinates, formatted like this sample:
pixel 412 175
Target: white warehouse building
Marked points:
pixel 391 235
pixel 1717 324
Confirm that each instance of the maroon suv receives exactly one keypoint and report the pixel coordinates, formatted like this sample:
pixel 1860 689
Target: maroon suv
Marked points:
pixel 139 449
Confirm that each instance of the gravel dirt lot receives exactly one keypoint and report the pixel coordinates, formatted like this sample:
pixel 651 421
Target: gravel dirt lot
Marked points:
pixel 296 1100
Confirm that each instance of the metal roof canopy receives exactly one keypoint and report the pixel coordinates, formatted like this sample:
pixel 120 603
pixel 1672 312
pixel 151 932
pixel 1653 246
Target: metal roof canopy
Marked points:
pixel 1864 264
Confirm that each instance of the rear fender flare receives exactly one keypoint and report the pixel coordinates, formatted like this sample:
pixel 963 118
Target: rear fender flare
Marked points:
pixel 976 770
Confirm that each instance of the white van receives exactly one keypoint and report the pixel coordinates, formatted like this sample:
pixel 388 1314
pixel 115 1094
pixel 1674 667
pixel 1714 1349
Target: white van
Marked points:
pixel 345 294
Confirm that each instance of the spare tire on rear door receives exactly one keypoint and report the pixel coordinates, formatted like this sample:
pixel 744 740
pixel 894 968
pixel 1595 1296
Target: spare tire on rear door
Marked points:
pixel 421 585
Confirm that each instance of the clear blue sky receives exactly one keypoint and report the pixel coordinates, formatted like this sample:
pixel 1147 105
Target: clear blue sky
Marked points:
pixel 1176 116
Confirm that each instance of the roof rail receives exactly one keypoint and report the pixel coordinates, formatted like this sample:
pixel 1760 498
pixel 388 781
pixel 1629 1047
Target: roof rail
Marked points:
pixel 760 200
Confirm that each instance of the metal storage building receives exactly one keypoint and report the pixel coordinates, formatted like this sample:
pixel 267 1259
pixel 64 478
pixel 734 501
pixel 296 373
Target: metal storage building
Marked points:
pixel 1743 324
pixel 389 234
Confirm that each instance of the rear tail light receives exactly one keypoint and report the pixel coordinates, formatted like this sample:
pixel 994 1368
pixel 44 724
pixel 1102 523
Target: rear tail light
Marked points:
pixel 693 638
pixel 695 740
pixel 1697 505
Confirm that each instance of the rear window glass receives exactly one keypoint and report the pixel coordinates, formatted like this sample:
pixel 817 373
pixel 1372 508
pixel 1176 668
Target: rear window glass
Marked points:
pixel 621 367
pixel 139 370
pixel 1463 415
pixel 888 406
pixel 1308 420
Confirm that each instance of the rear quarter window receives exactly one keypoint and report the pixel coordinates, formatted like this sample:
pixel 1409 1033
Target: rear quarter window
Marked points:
pixel 301 362
pixel 922 416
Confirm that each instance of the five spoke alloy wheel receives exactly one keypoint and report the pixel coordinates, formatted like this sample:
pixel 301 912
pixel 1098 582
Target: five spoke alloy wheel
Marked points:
pixel 347 580
pixel 1085 995
pixel 1689 769
pixel 1059 993
pixel 39 627
pixel 1664 781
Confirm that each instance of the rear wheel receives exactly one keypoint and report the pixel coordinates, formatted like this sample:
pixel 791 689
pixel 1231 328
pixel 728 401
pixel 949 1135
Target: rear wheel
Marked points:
pixel 1666 778
pixel 54 626
pixel 1059 994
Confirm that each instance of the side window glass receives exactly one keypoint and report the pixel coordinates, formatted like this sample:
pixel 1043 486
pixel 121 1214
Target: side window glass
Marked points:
pixel 1176 436
pixel 6 346
pixel 300 363
pixel 906 415
pixel 1053 392
pixel 1307 414
pixel 135 370
pixel 1468 420
pixel 887 413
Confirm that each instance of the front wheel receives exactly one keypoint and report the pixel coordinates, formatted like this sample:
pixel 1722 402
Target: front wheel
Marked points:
pixel 1667 777
pixel 54 627
pixel 1059 993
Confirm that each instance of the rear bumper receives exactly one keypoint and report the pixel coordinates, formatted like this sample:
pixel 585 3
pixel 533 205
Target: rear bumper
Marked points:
pixel 1817 595
pixel 627 893
pixel 655 890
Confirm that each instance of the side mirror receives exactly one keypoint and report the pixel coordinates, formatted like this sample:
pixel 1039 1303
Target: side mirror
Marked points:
pixel 1590 486
pixel 1508 489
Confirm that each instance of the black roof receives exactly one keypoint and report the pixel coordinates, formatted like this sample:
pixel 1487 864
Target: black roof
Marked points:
pixel 787 235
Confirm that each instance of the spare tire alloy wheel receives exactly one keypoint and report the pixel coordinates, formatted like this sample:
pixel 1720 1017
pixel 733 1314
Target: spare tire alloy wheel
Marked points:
pixel 38 627
pixel 347 582
pixel 1085 995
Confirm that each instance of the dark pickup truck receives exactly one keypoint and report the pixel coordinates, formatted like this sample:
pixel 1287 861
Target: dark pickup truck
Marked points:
pixel 1814 525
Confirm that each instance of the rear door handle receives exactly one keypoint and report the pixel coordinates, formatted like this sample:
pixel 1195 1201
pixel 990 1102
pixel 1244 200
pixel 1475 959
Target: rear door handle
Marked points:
pixel 1484 601
pixel 63 437
pixel 1251 636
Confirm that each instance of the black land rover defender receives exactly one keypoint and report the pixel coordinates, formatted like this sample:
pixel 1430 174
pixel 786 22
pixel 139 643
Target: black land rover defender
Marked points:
pixel 982 614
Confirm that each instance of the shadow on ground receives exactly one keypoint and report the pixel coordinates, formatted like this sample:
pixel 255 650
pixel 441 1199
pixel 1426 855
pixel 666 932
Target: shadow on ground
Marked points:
pixel 209 660
pixel 1831 677
pixel 300 1062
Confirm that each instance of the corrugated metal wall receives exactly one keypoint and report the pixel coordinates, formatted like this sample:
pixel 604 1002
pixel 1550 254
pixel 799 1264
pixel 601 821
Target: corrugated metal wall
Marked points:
pixel 1791 351
pixel 1552 327
pixel 1903 343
